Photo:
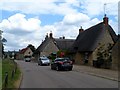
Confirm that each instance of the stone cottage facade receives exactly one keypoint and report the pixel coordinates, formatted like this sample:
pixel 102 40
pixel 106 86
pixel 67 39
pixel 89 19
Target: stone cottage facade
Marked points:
pixel 93 42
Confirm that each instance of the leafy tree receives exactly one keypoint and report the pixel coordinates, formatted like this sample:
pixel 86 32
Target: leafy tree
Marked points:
pixel 104 56
pixel 31 47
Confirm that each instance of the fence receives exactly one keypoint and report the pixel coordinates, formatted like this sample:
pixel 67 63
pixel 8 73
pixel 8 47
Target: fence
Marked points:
pixel 6 79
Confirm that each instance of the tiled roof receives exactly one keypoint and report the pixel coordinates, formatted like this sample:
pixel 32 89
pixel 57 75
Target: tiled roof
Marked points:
pixel 23 50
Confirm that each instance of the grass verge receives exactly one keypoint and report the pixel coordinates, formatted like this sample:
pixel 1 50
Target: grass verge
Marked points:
pixel 9 66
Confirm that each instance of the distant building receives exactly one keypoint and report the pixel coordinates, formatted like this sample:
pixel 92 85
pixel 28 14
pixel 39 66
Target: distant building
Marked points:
pixel 24 52
pixel 52 45
pixel 92 42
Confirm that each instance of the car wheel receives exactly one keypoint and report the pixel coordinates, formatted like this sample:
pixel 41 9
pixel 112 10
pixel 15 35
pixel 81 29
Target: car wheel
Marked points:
pixel 48 64
pixel 70 69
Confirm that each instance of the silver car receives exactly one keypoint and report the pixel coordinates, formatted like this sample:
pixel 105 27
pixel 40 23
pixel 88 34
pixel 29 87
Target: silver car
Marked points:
pixel 43 61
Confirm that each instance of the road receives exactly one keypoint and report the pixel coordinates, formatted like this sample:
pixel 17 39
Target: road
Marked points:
pixel 35 76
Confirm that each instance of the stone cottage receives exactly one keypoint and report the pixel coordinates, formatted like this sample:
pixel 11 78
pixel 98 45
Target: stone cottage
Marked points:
pixel 52 45
pixel 94 43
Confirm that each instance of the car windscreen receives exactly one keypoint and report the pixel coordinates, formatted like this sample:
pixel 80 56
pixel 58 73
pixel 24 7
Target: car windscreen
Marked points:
pixel 44 59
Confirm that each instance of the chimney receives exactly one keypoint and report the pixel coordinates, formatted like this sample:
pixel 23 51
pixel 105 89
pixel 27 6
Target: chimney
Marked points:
pixel 63 37
pixel 51 35
pixel 105 20
pixel 81 30
pixel 46 36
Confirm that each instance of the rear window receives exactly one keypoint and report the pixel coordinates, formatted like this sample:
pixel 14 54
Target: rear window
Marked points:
pixel 62 59
pixel 27 57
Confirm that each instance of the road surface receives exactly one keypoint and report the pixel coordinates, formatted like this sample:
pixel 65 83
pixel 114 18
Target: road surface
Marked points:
pixel 35 76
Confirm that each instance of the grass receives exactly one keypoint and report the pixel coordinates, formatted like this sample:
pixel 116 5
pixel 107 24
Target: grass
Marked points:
pixel 0 74
pixel 9 66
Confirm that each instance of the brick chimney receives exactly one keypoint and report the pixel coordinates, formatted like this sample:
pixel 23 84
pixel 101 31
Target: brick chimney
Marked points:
pixel 81 29
pixel 51 35
pixel 63 37
pixel 105 20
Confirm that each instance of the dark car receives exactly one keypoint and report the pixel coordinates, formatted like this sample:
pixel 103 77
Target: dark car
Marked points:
pixel 62 64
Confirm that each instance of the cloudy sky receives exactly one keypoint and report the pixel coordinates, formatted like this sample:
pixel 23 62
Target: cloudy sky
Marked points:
pixel 26 22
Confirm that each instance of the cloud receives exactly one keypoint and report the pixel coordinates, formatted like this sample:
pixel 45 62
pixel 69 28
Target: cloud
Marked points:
pixel 38 7
pixel 96 7
pixel 61 7
pixel 72 19
pixel 19 23
pixel 19 30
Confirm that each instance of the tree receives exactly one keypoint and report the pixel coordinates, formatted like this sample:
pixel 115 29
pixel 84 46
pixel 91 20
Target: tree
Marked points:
pixel 104 56
pixel 31 47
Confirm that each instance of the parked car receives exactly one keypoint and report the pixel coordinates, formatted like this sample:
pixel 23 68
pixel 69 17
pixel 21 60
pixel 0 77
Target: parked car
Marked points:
pixel 43 61
pixel 27 58
pixel 62 64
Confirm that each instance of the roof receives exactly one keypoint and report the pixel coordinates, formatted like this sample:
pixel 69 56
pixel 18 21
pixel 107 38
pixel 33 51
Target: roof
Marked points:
pixel 62 44
pixel 88 40
pixel 42 45
pixel 23 50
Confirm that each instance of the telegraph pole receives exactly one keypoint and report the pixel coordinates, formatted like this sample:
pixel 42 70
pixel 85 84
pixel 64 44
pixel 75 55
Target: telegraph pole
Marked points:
pixel 1 44
pixel 105 8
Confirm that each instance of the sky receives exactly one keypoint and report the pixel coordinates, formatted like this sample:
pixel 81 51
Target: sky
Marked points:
pixel 26 22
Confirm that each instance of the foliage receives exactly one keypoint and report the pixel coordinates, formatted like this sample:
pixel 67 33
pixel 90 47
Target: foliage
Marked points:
pixel 31 47
pixel 52 56
pixel 104 55
pixel 64 52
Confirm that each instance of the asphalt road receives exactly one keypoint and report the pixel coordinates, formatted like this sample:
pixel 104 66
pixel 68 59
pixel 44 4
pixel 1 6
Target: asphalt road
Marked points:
pixel 35 76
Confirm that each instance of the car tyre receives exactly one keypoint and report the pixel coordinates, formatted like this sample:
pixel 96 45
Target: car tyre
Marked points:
pixel 70 69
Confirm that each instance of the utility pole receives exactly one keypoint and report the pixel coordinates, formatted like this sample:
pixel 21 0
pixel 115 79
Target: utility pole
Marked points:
pixel 1 44
pixel 105 8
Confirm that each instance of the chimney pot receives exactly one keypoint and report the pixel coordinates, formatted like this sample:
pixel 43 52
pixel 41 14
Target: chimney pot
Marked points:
pixel 63 37
pixel 51 35
pixel 105 20
pixel 81 29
